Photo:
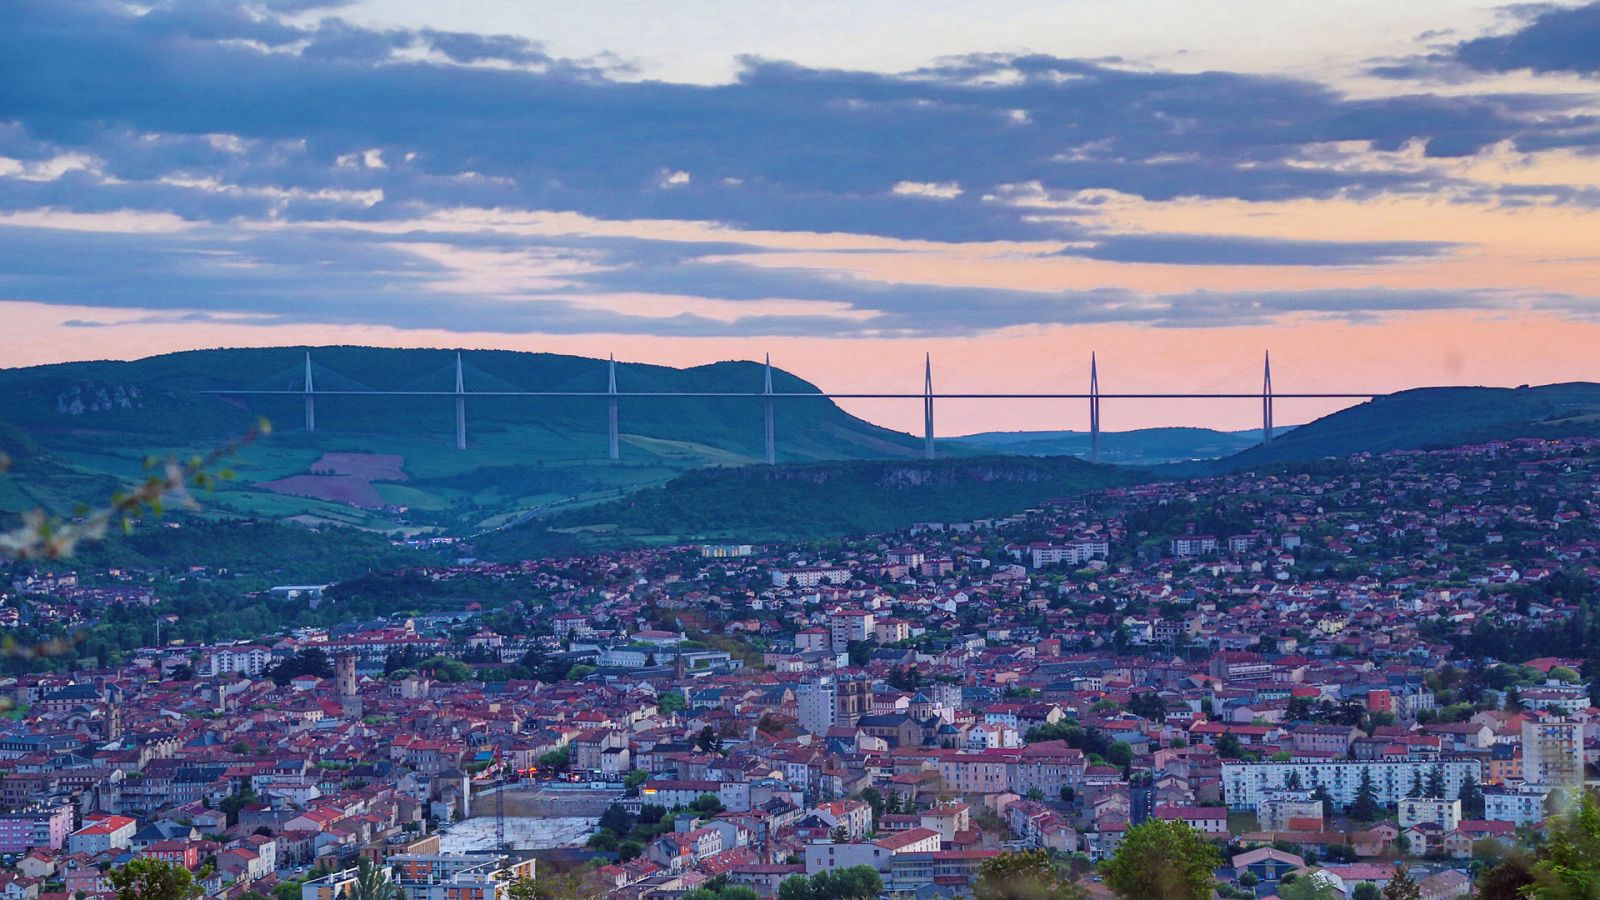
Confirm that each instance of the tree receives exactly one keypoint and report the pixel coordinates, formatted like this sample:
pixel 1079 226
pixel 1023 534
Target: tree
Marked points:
pixel 306 662
pixel 1416 784
pixel 1569 862
pixel 1366 890
pixel 634 779
pixel 1308 887
pixel 852 883
pixel 1164 860
pixel 1321 795
pixel 616 819
pixel 1148 706
pixel 1435 787
pixel 839 835
pixel 554 886
pixel 1365 806
pixel 1471 797
pixel 707 804
pixel 1027 875
pixel 1507 880
pixel 721 892
pixel 1564 674
pixel 1120 753
pixel 1401 887
pixel 153 879
pixel 557 760
pixel 708 740
pixel 873 798
pixel 1228 746
pixel 372 882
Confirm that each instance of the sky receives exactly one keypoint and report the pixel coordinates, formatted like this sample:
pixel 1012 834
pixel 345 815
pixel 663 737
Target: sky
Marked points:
pixel 1383 195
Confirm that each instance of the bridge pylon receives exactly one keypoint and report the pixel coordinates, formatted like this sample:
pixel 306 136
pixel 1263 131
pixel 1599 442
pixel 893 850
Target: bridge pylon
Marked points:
pixel 1266 400
pixel 613 437
pixel 1094 409
pixel 769 435
pixel 461 406
pixel 311 398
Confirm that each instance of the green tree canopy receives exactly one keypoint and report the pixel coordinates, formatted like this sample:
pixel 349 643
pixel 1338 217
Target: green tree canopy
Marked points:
pixel 1162 860
pixel 153 879
pixel 1568 866
pixel 372 882
pixel 1401 887
pixel 1308 888
pixel 853 883
pixel 1027 875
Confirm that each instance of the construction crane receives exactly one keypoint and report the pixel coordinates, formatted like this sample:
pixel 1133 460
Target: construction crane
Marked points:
pixel 500 806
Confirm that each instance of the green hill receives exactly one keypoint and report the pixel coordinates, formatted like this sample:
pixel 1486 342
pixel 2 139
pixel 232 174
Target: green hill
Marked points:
pixel 808 501
pixel 1140 447
pixel 1431 417
pixel 78 429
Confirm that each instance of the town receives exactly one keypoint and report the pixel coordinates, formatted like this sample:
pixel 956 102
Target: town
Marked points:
pixel 1340 675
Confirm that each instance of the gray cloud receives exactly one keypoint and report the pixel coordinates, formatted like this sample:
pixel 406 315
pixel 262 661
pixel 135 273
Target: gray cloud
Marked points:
pixel 1553 40
pixel 1226 250
pixel 224 113
pixel 344 277
pixel 784 147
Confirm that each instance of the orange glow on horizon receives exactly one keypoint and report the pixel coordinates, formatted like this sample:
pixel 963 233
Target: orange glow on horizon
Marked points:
pixel 1309 354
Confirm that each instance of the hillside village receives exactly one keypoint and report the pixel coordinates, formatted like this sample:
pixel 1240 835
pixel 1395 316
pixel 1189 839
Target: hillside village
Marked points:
pixel 1339 670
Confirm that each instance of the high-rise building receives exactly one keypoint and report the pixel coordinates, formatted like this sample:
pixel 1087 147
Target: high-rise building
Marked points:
pixel 1552 752
pixel 847 625
pixel 818 704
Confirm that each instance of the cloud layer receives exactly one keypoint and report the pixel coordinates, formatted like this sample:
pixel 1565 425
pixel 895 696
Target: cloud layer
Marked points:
pixel 298 171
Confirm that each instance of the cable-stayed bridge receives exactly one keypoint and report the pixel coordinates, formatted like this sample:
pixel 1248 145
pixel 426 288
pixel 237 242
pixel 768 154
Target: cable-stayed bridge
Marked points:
pixel 331 384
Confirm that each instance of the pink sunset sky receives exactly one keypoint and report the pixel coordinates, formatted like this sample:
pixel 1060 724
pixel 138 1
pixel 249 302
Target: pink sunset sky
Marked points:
pixel 1383 198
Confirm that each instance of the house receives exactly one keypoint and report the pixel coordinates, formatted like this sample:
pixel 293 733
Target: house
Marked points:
pixel 102 835
pixel 1267 864
pixel 1205 819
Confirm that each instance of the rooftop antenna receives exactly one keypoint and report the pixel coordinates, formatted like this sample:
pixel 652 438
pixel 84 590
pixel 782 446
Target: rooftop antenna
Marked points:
pixel 500 809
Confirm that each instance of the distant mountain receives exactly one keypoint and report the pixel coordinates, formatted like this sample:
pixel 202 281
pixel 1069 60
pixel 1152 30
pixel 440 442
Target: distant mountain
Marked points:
pixel 808 501
pixel 77 429
pixel 1431 417
pixel 1144 446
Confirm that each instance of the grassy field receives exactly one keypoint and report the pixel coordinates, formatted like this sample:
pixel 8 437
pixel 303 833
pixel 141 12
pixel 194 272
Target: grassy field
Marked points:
pixel 84 428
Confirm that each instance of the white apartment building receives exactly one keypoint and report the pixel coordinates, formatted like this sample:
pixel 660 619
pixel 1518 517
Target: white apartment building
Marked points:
pixel 1245 785
pixel 818 704
pixel 1420 811
pixel 809 576
pixel 1521 804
